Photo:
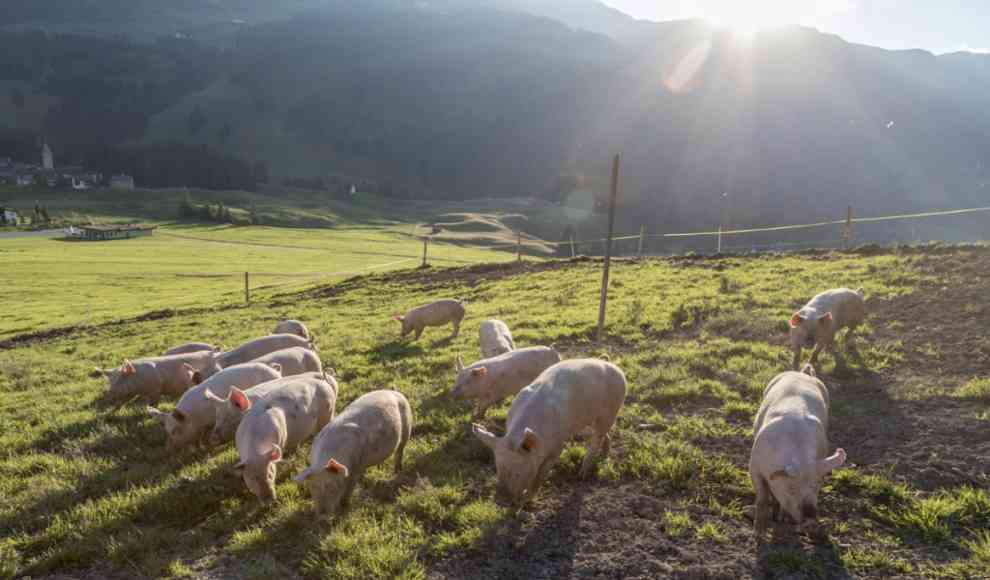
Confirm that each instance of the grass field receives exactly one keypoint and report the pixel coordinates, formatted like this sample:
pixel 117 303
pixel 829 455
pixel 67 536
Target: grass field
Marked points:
pixel 57 283
pixel 93 491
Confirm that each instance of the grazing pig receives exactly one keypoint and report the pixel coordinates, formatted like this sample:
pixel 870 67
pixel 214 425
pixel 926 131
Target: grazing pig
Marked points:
pixel 495 338
pixel 788 460
pixel 259 347
pixel 282 420
pixel 292 327
pixel 294 361
pixel 163 375
pixel 436 313
pixel 194 414
pixel 232 407
pixel 822 318
pixel 189 347
pixel 367 433
pixel 563 400
pixel 490 380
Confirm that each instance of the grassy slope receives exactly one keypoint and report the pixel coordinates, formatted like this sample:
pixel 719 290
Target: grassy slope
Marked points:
pixel 56 283
pixel 698 340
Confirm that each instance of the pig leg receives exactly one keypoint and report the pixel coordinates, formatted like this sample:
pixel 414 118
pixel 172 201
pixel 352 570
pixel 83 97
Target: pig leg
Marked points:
pixel 457 328
pixel 796 362
pixel 597 447
pixel 541 475
pixel 398 456
pixel 349 490
pixel 419 333
pixel 762 511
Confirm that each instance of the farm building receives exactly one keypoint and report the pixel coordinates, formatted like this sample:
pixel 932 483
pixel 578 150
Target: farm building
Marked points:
pixel 121 182
pixel 114 232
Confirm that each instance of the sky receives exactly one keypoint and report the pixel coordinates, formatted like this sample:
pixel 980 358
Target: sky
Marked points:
pixel 936 25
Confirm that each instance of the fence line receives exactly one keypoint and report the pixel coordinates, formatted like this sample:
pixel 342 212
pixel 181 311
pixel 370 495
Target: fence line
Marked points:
pixel 756 230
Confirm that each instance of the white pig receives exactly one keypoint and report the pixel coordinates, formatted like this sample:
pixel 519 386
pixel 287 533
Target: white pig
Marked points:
pixel 563 400
pixel 259 347
pixel 369 431
pixel 194 414
pixel 788 460
pixel 189 347
pixel 488 381
pixel 494 338
pixel 822 318
pixel 231 408
pixel 280 421
pixel 292 327
pixel 436 313
pixel 163 375
pixel 294 361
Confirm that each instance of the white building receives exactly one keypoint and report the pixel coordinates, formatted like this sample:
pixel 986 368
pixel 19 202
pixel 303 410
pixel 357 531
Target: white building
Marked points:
pixel 121 182
pixel 10 216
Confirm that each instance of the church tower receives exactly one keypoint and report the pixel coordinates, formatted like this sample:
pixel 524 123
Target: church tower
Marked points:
pixel 47 159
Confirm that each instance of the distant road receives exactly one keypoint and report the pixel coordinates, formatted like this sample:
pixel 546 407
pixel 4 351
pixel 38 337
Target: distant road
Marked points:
pixel 38 234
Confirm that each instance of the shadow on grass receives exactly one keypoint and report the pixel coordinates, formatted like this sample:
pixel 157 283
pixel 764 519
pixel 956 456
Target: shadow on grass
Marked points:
pixel 786 557
pixel 390 351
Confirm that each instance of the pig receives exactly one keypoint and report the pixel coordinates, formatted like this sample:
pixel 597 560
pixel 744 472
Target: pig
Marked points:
pixel 495 338
pixel 292 327
pixel 189 347
pixel 563 400
pixel 164 375
pixel 294 361
pixel 788 460
pixel 436 313
pixel 279 422
pixel 369 431
pixel 232 407
pixel 194 414
pixel 259 347
pixel 821 319
pixel 490 380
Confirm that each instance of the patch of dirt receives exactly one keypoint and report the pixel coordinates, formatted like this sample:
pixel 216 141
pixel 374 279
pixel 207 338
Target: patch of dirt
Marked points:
pixel 595 530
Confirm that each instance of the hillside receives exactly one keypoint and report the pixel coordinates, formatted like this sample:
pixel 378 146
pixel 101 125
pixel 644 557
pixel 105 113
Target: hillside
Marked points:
pixel 92 492
pixel 465 99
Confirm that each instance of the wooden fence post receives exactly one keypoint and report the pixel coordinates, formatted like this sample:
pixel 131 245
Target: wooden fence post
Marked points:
pixel 642 238
pixel 426 242
pixel 719 240
pixel 608 248
pixel 573 251
pixel 519 245
pixel 247 289
pixel 847 230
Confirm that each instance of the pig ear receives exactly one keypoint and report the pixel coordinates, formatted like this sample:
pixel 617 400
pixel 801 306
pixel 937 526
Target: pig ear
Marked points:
pixel 337 468
pixel 458 364
pixel 809 370
pixel 275 455
pixel 193 373
pixel 796 320
pixel 179 415
pixel 834 461
pixel 211 396
pixel 398 317
pixel 127 368
pixel 239 399
pixel 479 372
pixel 276 367
pixel 484 436
pixel 826 318
pixel 530 440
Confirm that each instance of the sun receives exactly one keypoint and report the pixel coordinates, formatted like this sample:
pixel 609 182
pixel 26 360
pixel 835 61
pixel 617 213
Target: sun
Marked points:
pixel 753 16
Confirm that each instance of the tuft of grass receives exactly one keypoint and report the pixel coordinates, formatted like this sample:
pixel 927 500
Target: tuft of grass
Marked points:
pixel 676 524
pixel 711 532
pixel 975 389
pixel 875 561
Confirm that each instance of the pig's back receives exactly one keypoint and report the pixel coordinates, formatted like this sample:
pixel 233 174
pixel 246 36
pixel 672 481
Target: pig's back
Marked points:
pixel 793 393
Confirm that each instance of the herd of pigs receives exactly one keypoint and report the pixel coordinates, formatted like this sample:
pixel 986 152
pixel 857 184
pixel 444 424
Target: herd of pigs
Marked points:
pixel 272 393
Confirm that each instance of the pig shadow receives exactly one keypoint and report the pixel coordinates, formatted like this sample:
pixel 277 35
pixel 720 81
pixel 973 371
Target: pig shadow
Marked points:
pixel 541 544
pixel 390 351
pixel 785 556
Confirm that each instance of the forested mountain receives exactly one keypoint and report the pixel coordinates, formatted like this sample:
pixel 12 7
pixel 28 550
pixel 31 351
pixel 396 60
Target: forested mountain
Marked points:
pixel 466 98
